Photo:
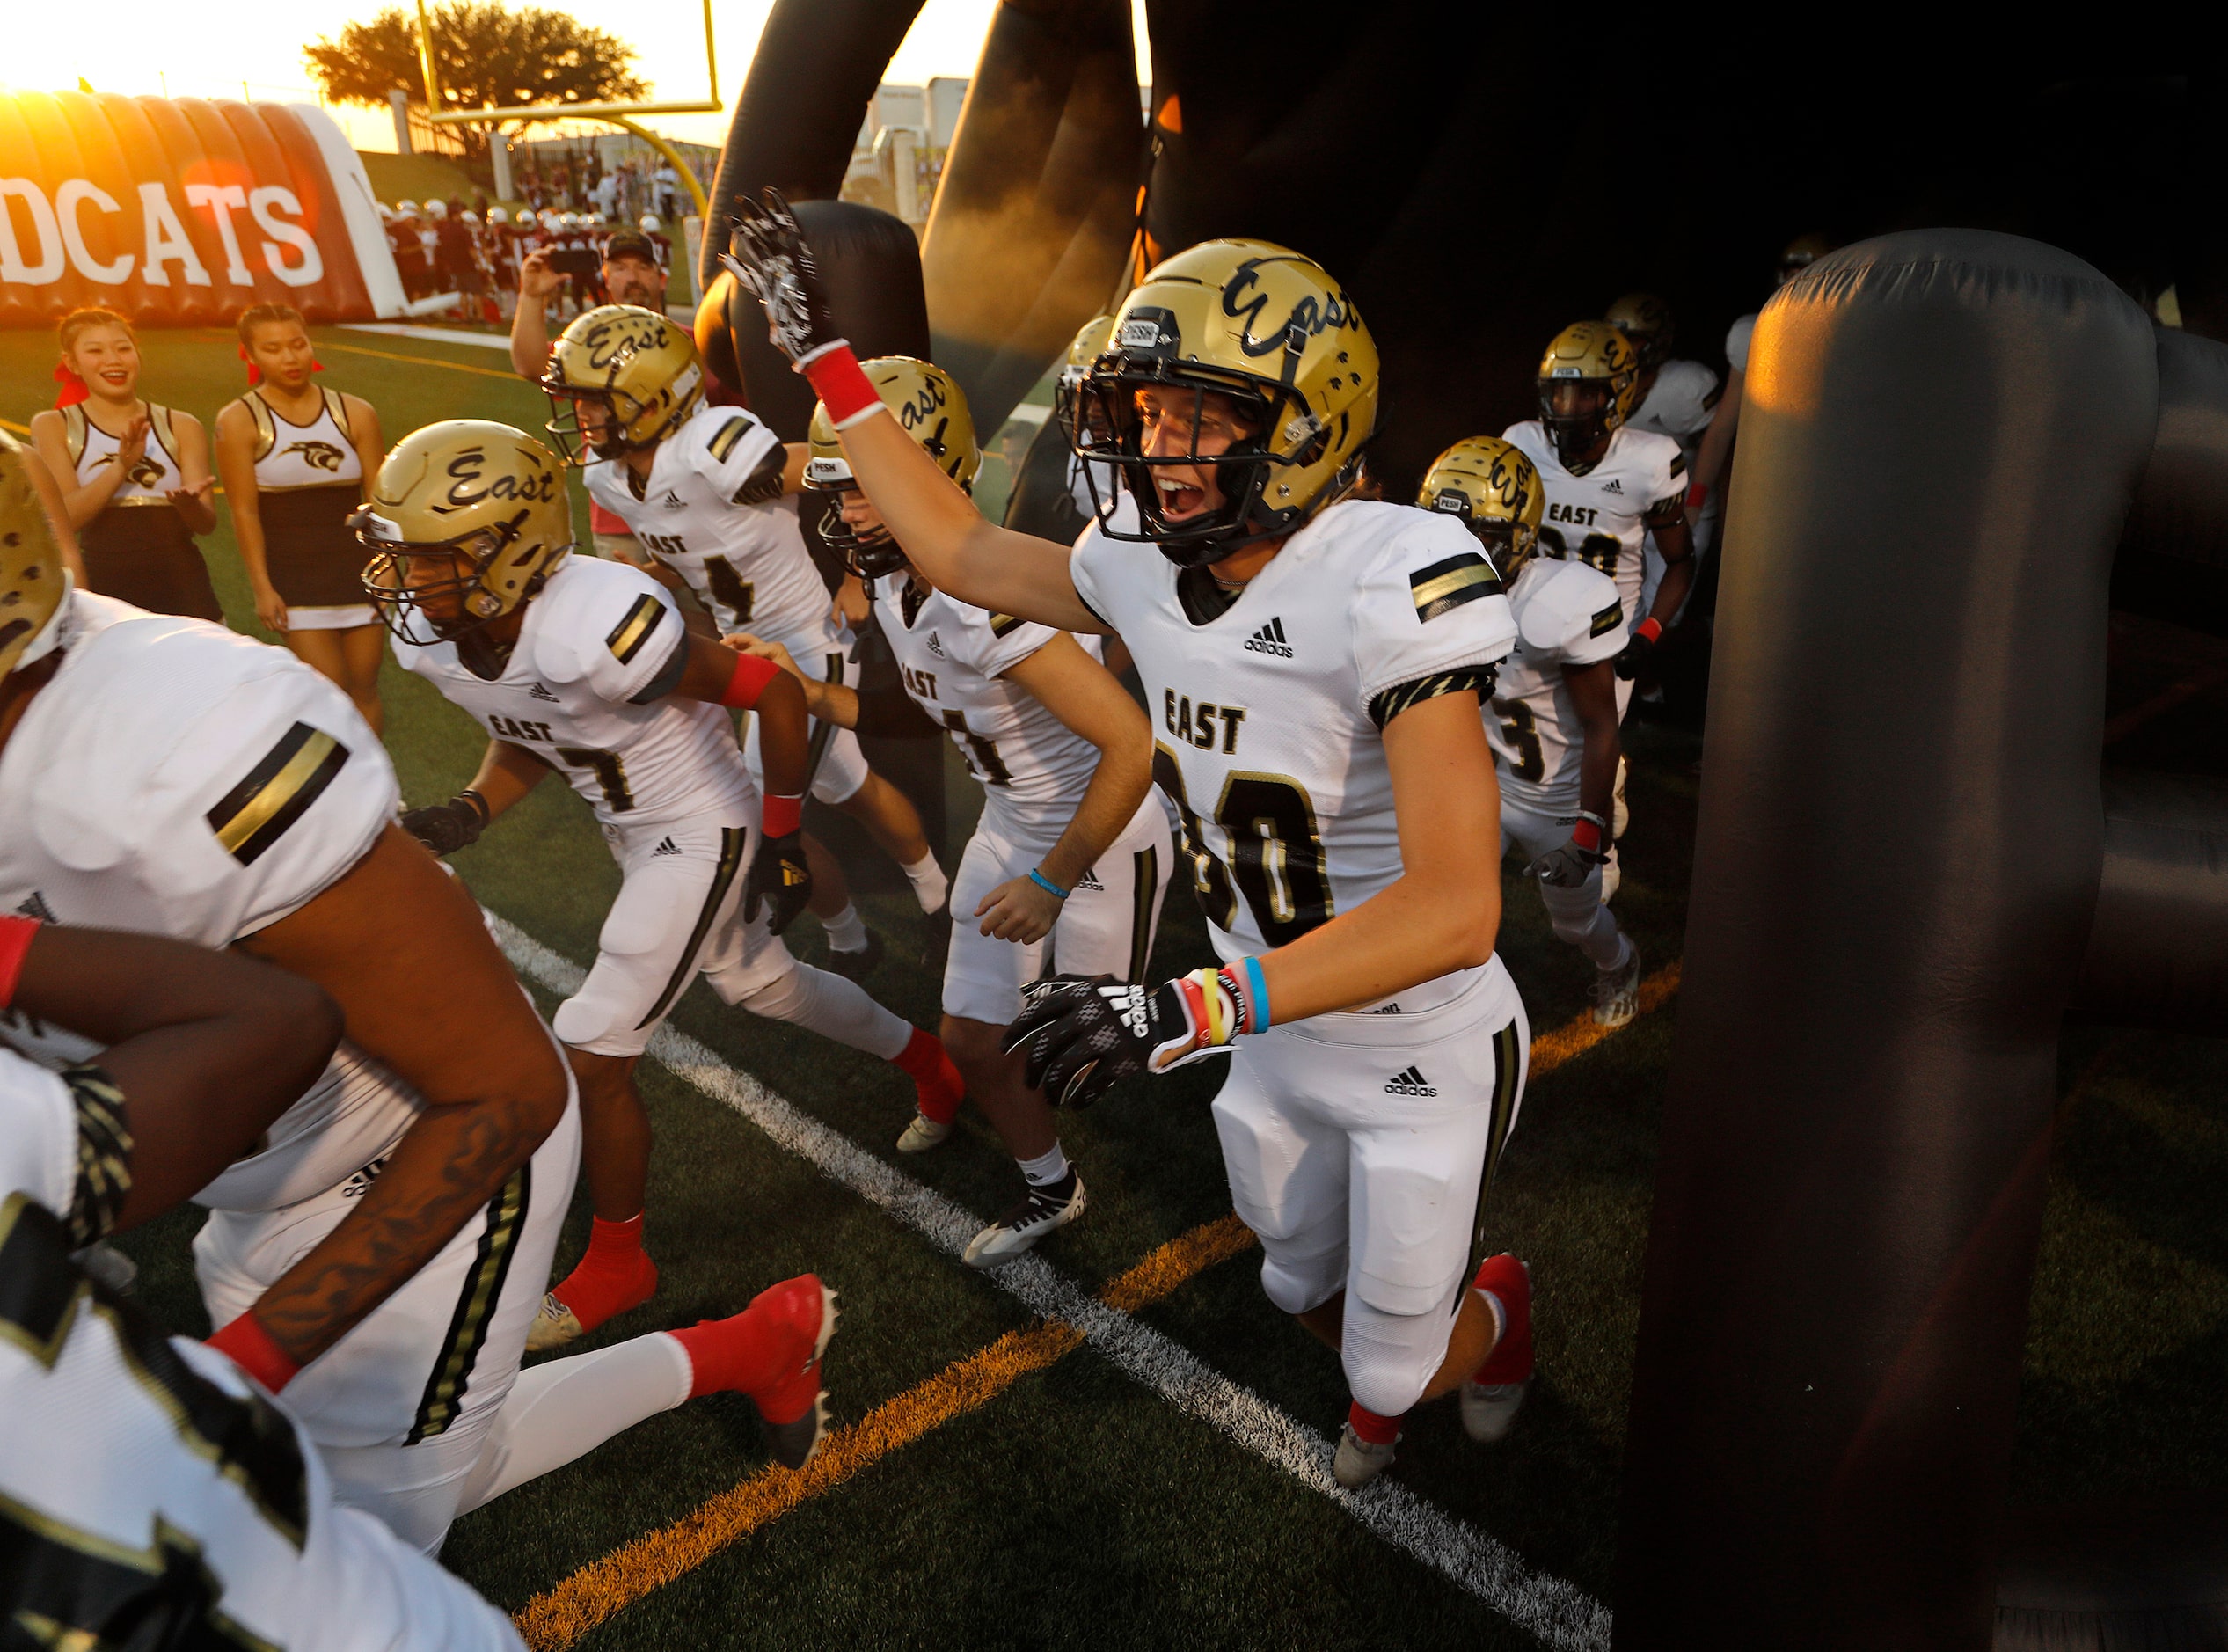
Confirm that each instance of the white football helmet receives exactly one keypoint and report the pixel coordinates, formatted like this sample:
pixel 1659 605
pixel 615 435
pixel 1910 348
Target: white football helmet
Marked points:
pixel 649 224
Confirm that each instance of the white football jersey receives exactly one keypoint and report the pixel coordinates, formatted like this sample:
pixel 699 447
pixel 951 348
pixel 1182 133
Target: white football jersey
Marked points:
pixel 746 563
pixel 1599 518
pixel 600 634
pixel 1679 405
pixel 148 1493
pixel 174 779
pixel 952 656
pixel 1270 738
pixel 1567 614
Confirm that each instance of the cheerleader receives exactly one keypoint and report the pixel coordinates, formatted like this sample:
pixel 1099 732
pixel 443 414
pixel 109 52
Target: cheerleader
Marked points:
pixel 295 458
pixel 133 475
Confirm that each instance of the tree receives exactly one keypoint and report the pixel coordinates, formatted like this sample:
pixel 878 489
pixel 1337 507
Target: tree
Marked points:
pixel 485 54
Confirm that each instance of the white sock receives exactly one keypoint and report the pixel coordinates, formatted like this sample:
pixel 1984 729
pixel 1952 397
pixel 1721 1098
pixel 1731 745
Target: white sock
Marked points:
pixel 834 1008
pixel 930 886
pixel 563 1408
pixel 1500 1318
pixel 1046 1168
pixel 846 931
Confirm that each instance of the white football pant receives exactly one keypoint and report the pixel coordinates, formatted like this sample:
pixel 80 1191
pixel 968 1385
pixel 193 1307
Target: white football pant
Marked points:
pixel 1579 915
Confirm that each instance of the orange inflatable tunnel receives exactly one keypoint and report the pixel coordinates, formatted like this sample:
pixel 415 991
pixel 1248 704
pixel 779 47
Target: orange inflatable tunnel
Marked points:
pixel 182 212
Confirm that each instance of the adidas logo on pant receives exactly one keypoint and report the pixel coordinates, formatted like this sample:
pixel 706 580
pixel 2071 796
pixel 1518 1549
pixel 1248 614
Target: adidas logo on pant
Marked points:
pixel 1270 639
pixel 1410 1083
pixel 667 846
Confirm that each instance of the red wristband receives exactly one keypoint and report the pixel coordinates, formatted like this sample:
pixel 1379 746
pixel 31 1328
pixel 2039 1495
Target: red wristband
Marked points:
pixel 1586 836
pixel 1648 630
pixel 15 941
pixel 841 385
pixel 780 815
pixel 249 1346
pixel 749 681
pixel 1698 496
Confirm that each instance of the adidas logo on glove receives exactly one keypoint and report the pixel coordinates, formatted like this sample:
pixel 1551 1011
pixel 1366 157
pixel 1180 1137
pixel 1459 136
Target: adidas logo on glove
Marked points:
pixel 1270 639
pixel 1410 1083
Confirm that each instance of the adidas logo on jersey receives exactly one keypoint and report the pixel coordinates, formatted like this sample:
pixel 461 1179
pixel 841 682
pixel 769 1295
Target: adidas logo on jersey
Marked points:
pixel 359 1184
pixel 540 693
pixel 37 907
pixel 1410 1083
pixel 673 501
pixel 1270 639
pixel 1612 486
pixel 667 846
pixel 936 645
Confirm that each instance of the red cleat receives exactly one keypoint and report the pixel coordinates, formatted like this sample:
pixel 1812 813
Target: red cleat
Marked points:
pixel 771 1351
pixel 937 1088
pixel 1493 1395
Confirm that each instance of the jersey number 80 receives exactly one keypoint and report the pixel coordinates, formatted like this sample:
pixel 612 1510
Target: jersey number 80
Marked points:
pixel 1276 861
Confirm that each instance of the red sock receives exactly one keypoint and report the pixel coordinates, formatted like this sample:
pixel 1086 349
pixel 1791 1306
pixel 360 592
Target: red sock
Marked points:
pixel 1505 1279
pixel 614 1276
pixel 939 1088
pixel 765 1351
pixel 1371 1427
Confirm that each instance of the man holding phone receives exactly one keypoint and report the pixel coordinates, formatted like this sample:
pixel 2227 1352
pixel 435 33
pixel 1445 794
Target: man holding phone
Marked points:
pixel 630 274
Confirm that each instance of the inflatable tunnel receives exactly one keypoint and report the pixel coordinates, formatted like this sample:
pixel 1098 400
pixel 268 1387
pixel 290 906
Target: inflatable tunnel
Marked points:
pixel 1956 441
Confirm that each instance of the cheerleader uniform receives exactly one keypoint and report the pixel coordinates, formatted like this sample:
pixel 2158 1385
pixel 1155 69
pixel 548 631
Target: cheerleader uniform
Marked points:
pixel 308 480
pixel 138 550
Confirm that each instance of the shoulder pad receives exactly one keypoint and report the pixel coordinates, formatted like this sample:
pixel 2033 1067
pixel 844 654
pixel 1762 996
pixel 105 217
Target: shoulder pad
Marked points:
pixel 1568 604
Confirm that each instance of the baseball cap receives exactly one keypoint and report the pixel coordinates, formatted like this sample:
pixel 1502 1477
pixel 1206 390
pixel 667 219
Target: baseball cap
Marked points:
pixel 632 243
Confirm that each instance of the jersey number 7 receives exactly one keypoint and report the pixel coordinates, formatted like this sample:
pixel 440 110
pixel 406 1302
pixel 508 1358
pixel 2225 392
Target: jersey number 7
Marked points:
pixel 1276 861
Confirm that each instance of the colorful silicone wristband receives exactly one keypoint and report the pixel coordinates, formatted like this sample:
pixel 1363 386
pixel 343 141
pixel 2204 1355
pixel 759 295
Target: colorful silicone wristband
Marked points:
pixel 1048 885
pixel 15 941
pixel 1256 995
pixel 781 816
pixel 751 676
pixel 249 1346
pixel 1648 630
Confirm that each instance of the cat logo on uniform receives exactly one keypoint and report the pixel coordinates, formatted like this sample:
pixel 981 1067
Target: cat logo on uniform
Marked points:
pixel 145 473
pixel 319 455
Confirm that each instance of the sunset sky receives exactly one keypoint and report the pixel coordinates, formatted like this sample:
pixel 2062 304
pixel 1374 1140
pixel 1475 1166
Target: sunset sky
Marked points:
pixel 139 47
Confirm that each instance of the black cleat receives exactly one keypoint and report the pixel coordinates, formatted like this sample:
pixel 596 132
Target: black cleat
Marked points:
pixel 857 966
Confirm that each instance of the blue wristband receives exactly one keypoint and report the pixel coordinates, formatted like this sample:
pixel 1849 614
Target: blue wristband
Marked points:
pixel 1046 885
pixel 1257 991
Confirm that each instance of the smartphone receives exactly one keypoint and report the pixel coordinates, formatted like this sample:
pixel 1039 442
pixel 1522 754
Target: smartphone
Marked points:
pixel 574 260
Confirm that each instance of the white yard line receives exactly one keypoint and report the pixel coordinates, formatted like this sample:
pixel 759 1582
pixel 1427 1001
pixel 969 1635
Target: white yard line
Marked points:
pixel 1560 1613
pixel 434 335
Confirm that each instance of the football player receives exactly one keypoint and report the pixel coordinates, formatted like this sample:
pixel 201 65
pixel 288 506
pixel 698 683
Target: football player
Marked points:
pixel 150 1495
pixel 702 488
pixel 382 1251
pixel 584 666
pixel 1315 664
pixel 1552 720
pixel 1072 854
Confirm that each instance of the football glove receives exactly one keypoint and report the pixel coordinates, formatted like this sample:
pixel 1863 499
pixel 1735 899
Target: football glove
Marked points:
pixel 1573 862
pixel 771 259
pixel 780 878
pixel 445 828
pixel 1634 659
pixel 1087 1034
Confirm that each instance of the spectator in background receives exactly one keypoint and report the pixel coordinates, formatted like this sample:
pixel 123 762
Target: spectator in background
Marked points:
pixel 631 274
pixel 669 193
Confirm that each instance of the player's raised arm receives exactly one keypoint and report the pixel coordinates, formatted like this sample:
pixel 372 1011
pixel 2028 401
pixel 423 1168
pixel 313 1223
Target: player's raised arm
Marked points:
pixel 948 538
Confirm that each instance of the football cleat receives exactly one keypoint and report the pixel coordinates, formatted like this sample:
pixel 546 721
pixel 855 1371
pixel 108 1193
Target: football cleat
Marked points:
pixel 1039 1213
pixel 938 943
pixel 810 1308
pixel 924 1133
pixel 587 1296
pixel 857 966
pixel 1359 1461
pixel 1616 992
pixel 1496 1392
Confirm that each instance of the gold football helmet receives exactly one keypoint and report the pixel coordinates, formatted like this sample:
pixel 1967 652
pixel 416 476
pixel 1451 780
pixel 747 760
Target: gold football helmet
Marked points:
pixel 1800 254
pixel 467 521
pixel 1646 322
pixel 932 408
pixel 639 369
pixel 1089 344
pixel 1492 489
pixel 1270 330
pixel 34 586
pixel 1586 382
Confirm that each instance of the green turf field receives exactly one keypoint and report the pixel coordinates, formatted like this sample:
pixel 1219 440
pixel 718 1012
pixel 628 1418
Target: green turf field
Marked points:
pixel 1015 1491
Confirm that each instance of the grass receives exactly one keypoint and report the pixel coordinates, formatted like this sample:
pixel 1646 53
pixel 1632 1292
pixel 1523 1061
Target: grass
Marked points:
pixel 1075 1508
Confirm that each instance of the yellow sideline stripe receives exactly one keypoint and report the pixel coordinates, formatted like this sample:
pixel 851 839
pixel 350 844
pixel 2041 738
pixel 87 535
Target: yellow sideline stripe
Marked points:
pixel 1575 1037
pixel 425 360
pixel 11 425
pixel 562 1614
pixel 589 1596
